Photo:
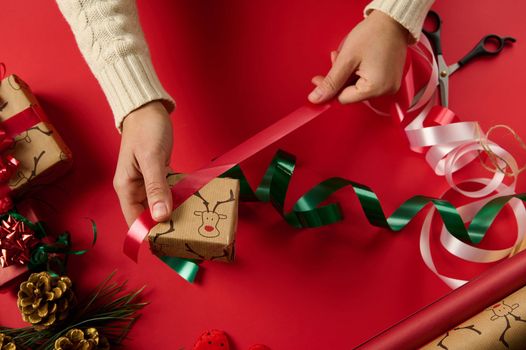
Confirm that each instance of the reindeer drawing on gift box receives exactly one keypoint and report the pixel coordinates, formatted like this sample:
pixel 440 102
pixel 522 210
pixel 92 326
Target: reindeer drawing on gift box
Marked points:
pixel 208 227
pixel 210 218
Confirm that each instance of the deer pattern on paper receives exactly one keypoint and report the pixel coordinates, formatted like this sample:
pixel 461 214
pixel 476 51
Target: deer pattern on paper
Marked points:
pixel 27 138
pixel 20 176
pixel 27 176
pixel 508 317
pixel 210 218
pixel 441 342
pixel 503 311
pixel 208 228
pixel 158 248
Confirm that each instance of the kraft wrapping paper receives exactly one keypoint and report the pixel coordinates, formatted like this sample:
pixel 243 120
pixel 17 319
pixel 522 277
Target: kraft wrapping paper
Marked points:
pixel 42 153
pixel 203 227
pixel 501 326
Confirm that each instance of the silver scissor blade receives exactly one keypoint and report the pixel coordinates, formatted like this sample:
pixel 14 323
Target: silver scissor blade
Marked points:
pixel 444 92
pixel 453 68
pixel 443 80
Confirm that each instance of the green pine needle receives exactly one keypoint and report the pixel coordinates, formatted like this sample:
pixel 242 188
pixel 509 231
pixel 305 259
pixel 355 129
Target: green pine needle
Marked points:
pixel 106 308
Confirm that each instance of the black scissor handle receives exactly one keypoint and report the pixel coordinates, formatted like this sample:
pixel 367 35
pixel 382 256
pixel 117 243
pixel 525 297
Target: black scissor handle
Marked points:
pixel 485 48
pixel 433 33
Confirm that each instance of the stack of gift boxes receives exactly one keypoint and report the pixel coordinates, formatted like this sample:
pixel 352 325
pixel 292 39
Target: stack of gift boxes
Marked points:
pixel 31 153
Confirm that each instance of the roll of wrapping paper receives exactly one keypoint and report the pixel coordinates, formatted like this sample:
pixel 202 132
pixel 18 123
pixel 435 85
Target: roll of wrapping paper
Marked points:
pixel 434 320
pixel 499 326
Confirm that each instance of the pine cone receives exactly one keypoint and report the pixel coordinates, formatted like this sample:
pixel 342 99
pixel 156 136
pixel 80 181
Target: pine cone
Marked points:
pixel 6 342
pixel 43 299
pixel 76 339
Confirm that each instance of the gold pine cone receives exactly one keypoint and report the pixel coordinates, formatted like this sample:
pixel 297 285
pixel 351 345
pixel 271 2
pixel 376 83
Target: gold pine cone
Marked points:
pixel 43 300
pixel 6 342
pixel 77 339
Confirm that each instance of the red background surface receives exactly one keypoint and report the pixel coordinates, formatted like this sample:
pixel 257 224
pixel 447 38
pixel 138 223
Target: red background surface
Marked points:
pixel 234 68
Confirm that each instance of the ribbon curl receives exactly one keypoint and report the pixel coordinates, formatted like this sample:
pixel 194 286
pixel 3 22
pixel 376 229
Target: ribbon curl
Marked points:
pixel 449 145
pixel 52 256
pixel 307 212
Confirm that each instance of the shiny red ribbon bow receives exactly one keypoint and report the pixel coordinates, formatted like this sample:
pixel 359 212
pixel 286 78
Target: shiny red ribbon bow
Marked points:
pixel 16 242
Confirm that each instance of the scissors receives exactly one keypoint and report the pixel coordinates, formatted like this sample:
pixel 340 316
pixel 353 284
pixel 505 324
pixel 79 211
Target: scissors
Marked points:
pixel 489 45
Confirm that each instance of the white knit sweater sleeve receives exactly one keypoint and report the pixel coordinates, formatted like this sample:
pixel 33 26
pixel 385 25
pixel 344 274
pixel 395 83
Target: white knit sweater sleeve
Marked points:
pixel 111 40
pixel 409 13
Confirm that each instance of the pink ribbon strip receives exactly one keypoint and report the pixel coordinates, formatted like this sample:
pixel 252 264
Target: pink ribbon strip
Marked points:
pixel 196 180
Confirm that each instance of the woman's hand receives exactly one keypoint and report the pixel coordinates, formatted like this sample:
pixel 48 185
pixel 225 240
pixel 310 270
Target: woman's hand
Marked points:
pixel 374 53
pixel 140 177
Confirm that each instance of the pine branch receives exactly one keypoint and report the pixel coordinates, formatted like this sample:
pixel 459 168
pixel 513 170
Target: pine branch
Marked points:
pixel 106 308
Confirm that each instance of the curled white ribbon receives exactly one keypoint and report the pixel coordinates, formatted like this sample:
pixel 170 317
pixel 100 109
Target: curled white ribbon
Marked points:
pixel 463 250
pixel 449 148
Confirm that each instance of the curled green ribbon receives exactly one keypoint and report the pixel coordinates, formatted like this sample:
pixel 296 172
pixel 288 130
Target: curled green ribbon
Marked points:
pixel 308 212
pixel 186 268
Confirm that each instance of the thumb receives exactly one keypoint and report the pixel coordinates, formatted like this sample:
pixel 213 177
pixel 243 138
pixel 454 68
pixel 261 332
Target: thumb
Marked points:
pixel 363 89
pixel 157 190
pixel 338 75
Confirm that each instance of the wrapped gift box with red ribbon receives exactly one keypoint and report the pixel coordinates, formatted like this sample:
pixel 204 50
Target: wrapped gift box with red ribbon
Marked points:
pixel 32 150
pixel 203 227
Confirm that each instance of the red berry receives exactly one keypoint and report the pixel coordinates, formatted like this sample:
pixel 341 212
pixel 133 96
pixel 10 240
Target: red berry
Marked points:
pixel 212 340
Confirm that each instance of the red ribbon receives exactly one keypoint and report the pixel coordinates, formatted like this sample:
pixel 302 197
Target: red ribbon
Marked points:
pixel 196 180
pixel 16 242
pixel 23 120
pixel 9 128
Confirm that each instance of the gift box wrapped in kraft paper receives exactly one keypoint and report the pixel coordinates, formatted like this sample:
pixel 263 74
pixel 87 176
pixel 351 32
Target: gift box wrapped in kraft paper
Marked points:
pixel 38 148
pixel 203 227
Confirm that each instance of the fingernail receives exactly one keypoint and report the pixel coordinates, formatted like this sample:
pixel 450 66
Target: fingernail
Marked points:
pixel 315 95
pixel 159 210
